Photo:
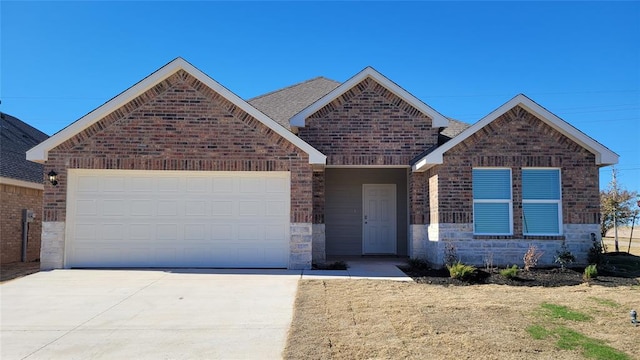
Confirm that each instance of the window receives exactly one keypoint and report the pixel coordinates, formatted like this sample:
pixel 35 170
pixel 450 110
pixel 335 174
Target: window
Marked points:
pixel 541 203
pixel 492 204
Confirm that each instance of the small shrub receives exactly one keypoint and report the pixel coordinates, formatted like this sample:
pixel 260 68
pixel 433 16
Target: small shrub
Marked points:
pixel 488 262
pixel 531 257
pixel 564 257
pixel 590 272
pixel 336 265
pixel 450 255
pixel 510 273
pixel 461 271
pixel 418 264
pixel 595 254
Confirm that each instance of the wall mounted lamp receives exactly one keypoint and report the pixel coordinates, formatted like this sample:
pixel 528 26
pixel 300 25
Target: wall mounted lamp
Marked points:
pixel 53 177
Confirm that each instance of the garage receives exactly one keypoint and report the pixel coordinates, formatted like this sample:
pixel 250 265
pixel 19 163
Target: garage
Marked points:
pixel 141 218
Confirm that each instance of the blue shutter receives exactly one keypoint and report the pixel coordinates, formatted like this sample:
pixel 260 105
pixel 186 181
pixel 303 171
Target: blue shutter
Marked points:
pixel 541 184
pixel 491 184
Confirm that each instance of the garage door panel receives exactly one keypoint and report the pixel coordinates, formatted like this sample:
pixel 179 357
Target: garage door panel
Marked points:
pixel 178 219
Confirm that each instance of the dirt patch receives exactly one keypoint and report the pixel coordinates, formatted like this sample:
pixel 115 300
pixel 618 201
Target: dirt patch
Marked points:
pixel 18 269
pixel 372 319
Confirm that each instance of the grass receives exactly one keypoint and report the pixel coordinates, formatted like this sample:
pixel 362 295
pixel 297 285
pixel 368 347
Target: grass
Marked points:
pixel 568 339
pixel 605 302
pixel 373 319
pixel 563 312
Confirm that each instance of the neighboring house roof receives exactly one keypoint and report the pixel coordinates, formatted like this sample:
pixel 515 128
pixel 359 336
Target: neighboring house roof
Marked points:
pixel 604 156
pixel 16 137
pixel 281 105
pixel 439 120
pixel 39 153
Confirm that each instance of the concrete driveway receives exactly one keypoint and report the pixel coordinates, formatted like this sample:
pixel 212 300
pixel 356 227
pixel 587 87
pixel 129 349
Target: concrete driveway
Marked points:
pixel 147 314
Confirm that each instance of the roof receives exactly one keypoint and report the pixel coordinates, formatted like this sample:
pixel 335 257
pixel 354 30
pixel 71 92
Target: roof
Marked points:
pixel 604 156
pixel 281 105
pixel 16 137
pixel 454 129
pixel 40 152
pixel 439 120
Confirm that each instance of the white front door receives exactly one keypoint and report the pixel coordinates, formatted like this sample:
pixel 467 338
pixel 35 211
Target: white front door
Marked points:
pixel 379 219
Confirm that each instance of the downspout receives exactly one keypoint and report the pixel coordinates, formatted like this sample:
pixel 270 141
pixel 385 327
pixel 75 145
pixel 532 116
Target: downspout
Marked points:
pixel 27 217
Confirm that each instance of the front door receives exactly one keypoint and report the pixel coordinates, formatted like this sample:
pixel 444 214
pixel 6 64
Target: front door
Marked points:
pixel 379 219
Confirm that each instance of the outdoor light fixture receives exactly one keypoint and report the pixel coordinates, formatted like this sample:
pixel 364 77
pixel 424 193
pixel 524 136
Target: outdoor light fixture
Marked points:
pixel 53 177
pixel 634 318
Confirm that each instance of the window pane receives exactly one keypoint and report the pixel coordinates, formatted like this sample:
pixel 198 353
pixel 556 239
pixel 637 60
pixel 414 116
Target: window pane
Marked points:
pixel 540 218
pixel 492 184
pixel 491 218
pixel 541 184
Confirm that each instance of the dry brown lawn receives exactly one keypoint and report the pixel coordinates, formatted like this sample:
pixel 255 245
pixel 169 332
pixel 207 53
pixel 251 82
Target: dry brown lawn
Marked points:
pixel 372 319
pixel 623 243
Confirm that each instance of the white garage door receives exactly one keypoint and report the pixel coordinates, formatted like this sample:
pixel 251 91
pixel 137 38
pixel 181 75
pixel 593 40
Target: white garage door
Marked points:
pixel 121 218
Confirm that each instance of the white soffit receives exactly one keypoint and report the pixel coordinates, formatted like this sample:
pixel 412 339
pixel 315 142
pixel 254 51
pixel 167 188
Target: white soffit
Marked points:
pixel 39 153
pixel 439 120
pixel 604 156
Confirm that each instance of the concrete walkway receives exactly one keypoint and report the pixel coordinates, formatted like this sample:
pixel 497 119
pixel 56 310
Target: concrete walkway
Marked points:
pixel 362 268
pixel 147 314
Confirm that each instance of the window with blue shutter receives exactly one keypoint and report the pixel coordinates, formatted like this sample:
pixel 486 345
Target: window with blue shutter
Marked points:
pixel 492 203
pixel 541 202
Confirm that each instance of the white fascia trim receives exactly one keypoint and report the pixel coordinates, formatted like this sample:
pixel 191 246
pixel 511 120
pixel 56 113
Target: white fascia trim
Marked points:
pixel 21 183
pixel 40 152
pixel 604 156
pixel 438 120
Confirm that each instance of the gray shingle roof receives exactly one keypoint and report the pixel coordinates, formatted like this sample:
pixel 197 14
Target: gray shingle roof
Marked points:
pixel 455 127
pixel 281 105
pixel 16 137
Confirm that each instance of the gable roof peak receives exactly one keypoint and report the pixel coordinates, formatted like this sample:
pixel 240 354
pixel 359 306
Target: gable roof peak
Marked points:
pixel 40 152
pixel 438 120
pixel 604 156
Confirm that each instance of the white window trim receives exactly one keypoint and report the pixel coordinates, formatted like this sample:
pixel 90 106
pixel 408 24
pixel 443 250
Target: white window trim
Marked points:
pixel 495 201
pixel 558 202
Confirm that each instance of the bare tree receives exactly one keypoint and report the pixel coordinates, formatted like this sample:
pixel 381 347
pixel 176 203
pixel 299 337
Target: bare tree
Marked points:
pixel 617 207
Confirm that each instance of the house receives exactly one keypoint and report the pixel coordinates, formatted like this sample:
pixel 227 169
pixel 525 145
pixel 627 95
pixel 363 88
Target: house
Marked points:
pixel 21 189
pixel 178 171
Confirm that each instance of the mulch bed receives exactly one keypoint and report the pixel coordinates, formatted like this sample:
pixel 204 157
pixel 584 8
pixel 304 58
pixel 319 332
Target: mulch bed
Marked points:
pixel 546 277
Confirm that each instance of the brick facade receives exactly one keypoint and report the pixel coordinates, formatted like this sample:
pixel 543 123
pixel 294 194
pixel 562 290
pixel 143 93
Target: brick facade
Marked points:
pixel 180 124
pixel 515 140
pixel 14 199
pixel 369 125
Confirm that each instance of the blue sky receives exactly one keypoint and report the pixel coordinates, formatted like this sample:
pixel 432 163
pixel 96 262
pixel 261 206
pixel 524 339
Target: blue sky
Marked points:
pixel 580 60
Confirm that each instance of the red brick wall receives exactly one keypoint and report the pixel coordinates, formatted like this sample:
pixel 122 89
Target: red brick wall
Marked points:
pixel 515 140
pixel 180 124
pixel 418 198
pixel 318 197
pixel 369 125
pixel 13 200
